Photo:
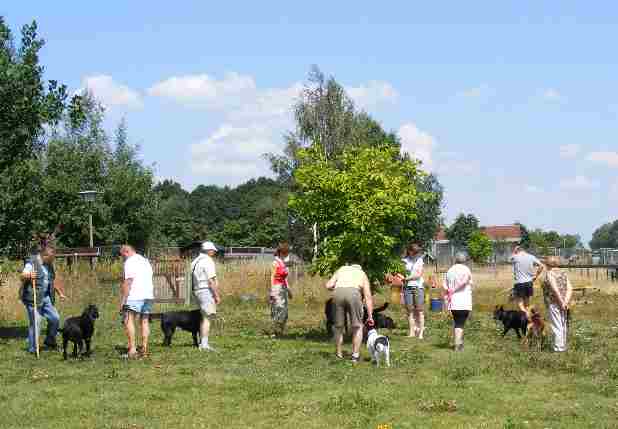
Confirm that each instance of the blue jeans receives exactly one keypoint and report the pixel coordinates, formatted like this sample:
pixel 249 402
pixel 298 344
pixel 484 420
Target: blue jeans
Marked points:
pixel 47 311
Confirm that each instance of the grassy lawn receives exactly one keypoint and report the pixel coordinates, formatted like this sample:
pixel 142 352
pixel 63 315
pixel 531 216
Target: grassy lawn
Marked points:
pixel 258 382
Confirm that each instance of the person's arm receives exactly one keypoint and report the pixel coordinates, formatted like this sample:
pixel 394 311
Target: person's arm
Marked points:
pixel 125 288
pixel 569 293
pixel 26 274
pixel 332 282
pixel 417 271
pixel 213 284
pixel 273 273
pixel 554 289
pixel 539 270
pixel 366 289
pixel 59 286
pixel 462 284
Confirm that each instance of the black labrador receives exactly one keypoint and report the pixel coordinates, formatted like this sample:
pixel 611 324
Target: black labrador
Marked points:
pixel 381 321
pixel 511 319
pixel 189 321
pixel 78 330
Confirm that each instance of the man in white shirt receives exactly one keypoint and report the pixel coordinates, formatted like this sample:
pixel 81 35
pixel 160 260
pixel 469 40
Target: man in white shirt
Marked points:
pixel 205 289
pixel 137 297
pixel 526 269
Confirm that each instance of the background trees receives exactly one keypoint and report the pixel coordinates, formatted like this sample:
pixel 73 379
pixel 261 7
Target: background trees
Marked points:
pixel 605 236
pixel 462 229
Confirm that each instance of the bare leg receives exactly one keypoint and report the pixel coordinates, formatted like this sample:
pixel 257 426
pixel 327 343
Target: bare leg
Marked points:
pixel 145 328
pixel 357 339
pixel 421 323
pixel 204 330
pixel 523 304
pixel 129 328
pixel 339 341
pixel 411 324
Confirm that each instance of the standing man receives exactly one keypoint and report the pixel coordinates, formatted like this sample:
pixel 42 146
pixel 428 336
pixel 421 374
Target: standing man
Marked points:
pixel 41 267
pixel 136 298
pixel 205 289
pixel 526 269
pixel 350 284
pixel 414 290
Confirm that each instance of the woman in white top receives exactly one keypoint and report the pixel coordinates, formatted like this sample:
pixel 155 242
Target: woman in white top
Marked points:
pixel 413 290
pixel 458 296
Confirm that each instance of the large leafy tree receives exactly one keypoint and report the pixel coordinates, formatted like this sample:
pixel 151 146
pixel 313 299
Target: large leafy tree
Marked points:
pixel 364 202
pixel 327 118
pixel 606 236
pixel 27 102
pixel 81 156
pixel 462 229
pixel 28 105
pixel 480 247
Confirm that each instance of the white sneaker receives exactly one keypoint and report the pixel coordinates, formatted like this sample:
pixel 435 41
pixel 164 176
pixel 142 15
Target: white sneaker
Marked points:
pixel 206 348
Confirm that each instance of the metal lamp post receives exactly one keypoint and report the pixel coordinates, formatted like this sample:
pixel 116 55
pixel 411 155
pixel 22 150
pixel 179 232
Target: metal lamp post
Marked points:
pixel 89 197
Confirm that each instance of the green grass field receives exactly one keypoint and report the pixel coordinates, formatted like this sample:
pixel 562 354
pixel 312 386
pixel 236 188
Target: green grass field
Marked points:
pixel 258 382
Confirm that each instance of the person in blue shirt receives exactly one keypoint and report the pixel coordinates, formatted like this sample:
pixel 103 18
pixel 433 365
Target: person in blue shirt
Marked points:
pixel 41 267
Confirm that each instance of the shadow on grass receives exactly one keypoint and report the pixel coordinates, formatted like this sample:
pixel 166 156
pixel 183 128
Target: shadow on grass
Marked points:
pixel 13 332
pixel 312 334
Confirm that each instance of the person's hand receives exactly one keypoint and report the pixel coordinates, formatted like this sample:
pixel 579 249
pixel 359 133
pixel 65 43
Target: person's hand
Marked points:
pixel 370 321
pixel 290 294
pixel 62 296
pixel 217 299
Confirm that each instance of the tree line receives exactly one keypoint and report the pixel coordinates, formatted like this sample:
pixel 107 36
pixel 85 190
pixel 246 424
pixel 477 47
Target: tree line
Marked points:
pixel 341 188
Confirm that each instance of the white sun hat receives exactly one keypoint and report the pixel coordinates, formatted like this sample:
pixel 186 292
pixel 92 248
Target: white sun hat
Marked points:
pixel 209 245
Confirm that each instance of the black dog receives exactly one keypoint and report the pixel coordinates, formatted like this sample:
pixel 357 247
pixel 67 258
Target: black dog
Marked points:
pixel 79 330
pixel 515 320
pixel 187 320
pixel 381 321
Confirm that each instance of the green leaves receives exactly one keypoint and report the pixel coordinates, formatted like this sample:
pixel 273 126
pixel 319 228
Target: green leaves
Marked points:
pixel 480 247
pixel 462 230
pixel 363 202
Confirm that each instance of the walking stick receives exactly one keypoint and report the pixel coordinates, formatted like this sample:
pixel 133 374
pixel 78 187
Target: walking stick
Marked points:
pixel 34 311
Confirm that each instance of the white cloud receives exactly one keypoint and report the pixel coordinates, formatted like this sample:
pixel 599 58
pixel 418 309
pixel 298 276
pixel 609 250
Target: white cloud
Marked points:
pixel 202 89
pixel 475 92
pixel 373 93
pixel 233 154
pixel 569 150
pixel 255 119
pixel 578 183
pixel 552 94
pixel 110 93
pixel 417 143
pixel 272 102
pixel 609 158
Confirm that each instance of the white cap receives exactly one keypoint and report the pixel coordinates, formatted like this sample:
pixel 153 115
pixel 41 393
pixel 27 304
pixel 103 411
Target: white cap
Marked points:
pixel 209 245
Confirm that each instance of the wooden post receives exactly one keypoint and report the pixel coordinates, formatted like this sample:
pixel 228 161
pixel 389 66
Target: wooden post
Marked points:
pixel 188 281
pixel 35 311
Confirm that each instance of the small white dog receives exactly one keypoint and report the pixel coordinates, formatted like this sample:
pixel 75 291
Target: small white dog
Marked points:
pixel 378 347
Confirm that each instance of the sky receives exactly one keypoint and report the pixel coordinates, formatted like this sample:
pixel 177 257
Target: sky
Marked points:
pixel 513 105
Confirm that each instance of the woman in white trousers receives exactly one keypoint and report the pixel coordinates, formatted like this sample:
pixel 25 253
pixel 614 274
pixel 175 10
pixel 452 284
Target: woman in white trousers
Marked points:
pixel 557 291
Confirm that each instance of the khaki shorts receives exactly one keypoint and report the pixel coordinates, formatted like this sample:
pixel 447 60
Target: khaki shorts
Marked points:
pixel 206 301
pixel 348 300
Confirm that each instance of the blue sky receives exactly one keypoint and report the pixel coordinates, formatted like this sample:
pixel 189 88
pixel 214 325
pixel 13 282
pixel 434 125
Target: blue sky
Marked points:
pixel 512 104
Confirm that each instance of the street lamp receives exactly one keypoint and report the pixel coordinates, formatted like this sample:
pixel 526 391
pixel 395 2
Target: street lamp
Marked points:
pixel 89 197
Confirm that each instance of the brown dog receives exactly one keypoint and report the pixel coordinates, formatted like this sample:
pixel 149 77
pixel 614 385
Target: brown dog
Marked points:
pixel 535 331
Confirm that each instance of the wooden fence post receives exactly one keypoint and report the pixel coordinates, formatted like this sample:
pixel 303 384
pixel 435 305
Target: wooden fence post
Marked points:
pixel 188 281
